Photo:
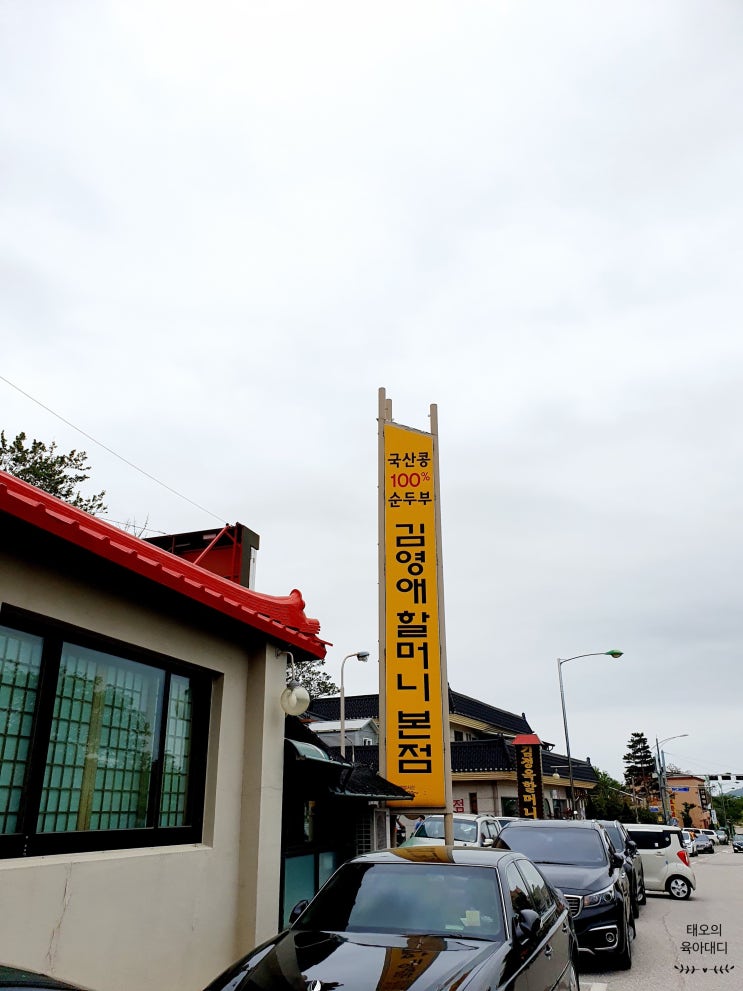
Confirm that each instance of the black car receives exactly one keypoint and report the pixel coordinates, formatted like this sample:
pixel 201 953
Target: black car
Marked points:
pixel 579 859
pixel 737 842
pixel 431 916
pixel 623 844
pixel 16 979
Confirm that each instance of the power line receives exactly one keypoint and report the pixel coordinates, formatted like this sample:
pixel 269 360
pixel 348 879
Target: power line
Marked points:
pixel 111 451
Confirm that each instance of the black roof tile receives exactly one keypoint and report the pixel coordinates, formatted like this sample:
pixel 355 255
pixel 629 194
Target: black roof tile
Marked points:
pixel 367 707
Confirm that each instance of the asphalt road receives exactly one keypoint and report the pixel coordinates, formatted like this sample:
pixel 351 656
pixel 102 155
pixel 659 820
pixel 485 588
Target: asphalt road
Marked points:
pixel 659 962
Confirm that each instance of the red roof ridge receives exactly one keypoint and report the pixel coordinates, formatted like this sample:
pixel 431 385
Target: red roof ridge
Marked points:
pixel 279 616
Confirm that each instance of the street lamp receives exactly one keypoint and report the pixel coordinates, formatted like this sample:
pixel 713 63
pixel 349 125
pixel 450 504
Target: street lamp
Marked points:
pixel 662 784
pixel 363 655
pixel 560 662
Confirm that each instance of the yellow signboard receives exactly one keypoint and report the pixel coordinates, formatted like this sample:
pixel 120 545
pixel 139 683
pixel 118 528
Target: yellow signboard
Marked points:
pixel 414 720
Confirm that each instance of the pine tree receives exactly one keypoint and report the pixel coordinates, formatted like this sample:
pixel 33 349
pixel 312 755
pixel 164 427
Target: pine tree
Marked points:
pixel 58 474
pixel 317 682
pixel 639 765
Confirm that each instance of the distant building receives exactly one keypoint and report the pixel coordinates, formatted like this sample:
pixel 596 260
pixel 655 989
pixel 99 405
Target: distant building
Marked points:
pixel 691 790
pixel 482 753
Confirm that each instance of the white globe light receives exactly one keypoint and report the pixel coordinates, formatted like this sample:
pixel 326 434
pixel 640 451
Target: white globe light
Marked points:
pixel 294 699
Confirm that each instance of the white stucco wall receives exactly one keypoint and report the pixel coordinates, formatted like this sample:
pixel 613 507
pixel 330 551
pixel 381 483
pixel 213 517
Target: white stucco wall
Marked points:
pixel 171 918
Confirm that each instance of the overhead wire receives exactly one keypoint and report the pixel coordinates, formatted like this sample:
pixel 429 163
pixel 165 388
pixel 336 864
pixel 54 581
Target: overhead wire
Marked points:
pixel 105 447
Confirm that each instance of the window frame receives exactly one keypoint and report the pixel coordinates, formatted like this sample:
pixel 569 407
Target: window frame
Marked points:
pixel 28 842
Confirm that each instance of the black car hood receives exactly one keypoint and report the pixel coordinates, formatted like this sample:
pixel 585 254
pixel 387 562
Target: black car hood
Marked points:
pixel 320 961
pixel 574 880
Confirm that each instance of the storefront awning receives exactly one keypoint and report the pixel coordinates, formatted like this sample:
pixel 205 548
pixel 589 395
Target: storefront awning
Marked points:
pixel 342 780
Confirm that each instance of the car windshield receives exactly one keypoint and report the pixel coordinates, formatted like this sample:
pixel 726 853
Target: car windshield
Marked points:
pixel 465 830
pixel 556 845
pixel 439 899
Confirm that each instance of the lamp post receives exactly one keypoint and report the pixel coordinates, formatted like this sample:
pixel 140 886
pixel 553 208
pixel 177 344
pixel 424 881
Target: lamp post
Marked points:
pixel 363 655
pixel 560 662
pixel 662 784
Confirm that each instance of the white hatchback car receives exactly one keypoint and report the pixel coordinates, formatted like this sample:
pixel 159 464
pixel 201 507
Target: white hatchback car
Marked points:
pixel 469 830
pixel 664 859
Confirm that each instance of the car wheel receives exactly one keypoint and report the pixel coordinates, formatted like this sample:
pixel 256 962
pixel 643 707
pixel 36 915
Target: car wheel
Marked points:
pixel 635 905
pixel 642 897
pixel 678 887
pixel 624 957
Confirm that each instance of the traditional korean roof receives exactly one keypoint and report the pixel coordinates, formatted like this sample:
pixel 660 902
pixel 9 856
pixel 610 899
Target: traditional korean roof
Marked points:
pixel 553 763
pixel 481 755
pixel 367 706
pixel 493 754
pixel 464 705
pixel 279 617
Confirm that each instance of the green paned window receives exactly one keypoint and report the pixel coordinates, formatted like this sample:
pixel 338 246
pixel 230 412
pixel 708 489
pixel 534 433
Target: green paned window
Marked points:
pixel 20 664
pixel 96 742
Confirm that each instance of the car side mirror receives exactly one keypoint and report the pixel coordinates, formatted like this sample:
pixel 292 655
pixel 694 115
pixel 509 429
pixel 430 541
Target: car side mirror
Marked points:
pixel 617 860
pixel 297 911
pixel 631 847
pixel 488 842
pixel 527 925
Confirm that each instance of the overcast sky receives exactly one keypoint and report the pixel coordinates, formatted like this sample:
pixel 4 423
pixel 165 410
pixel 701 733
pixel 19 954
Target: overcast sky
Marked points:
pixel 224 226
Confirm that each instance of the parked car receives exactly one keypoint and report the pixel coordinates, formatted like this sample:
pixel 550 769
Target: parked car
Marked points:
pixel 622 843
pixel 27 980
pixel 502 820
pixel 664 859
pixel 421 916
pixel 579 859
pixel 469 830
pixel 737 842
pixel 712 835
pixel 722 836
pixel 703 843
pixel 688 842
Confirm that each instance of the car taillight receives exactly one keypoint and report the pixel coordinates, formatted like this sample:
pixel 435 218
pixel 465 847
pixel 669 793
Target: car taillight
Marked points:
pixel 683 856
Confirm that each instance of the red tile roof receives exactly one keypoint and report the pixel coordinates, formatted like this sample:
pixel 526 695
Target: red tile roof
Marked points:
pixel 280 617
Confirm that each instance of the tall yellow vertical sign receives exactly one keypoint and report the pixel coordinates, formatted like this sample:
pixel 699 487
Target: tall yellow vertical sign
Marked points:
pixel 414 711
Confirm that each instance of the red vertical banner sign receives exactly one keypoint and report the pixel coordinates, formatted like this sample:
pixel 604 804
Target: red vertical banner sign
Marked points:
pixel 414 711
pixel 528 749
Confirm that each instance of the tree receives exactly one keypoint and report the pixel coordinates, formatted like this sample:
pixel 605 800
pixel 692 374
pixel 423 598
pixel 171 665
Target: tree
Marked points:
pixel 317 682
pixel 58 474
pixel 606 800
pixel 686 813
pixel 639 765
pixel 729 809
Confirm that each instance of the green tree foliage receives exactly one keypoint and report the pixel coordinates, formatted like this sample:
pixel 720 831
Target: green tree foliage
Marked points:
pixel 58 474
pixel 606 800
pixel 639 763
pixel 317 682
pixel 729 811
pixel 609 800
